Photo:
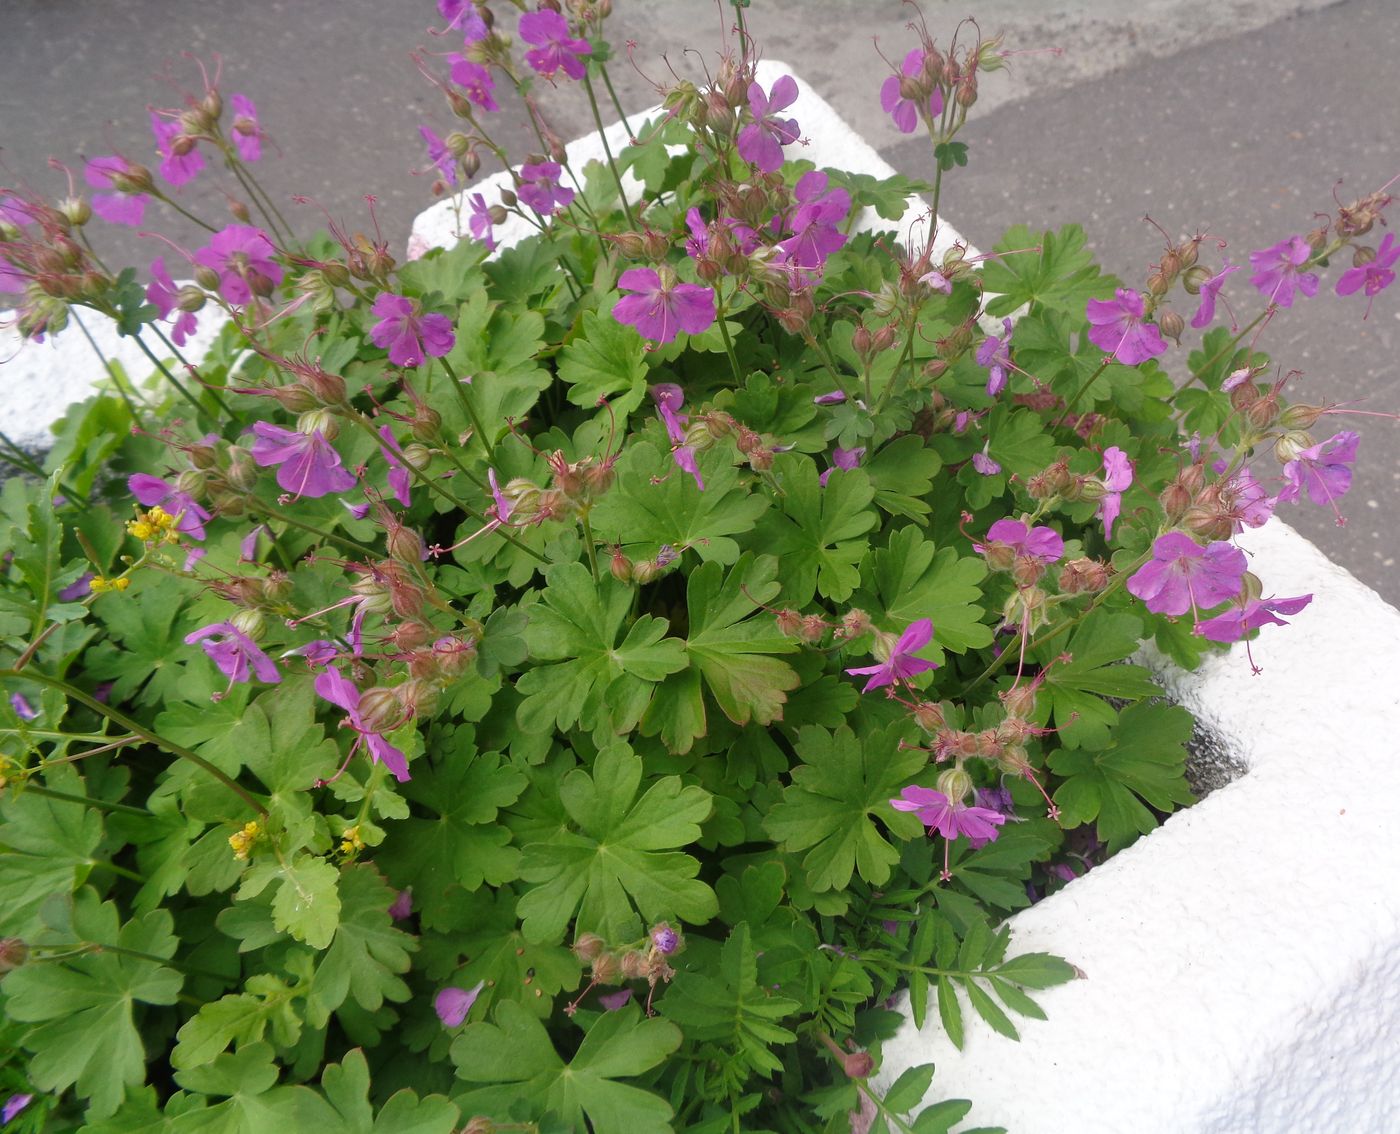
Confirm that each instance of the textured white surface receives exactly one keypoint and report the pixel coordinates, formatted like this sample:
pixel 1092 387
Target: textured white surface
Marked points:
pixel 1242 960
pixel 39 381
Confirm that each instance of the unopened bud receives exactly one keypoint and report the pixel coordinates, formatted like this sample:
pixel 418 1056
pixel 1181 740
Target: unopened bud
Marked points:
pixel 379 709
pixel 508 199
pixel 606 969
pixel 928 715
pixel 1317 238
pixel 1194 279
pixel 588 947
pixel 191 482
pixel 620 566
pixel 634 964
pixel 242 471
pixel 630 244
pixel 416 455
pixel 1172 325
pixel 1263 413
pixel 999 556
pixel 1359 259
pixel 1175 499
pixel 1026 570
pixel 955 784
pixel 966 94
pixel 404 544
pixel 854 623
pixel 789 622
pixel 813 628
pixel 427 424
pixel 1208 523
pixel 239 211
pixel 276 587
pixel 1158 284
pixel 77 212
pixel 206 277
pixel 1291 443
pixel 1300 416
pixel 13 953
pixel 320 421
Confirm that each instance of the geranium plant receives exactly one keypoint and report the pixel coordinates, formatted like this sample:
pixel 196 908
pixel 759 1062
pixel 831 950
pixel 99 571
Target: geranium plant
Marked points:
pixel 576 682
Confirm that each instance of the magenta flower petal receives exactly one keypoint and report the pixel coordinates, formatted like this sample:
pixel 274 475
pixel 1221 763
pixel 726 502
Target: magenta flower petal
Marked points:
pixel 246 132
pixel 307 463
pixel 236 655
pixel 1278 273
pixel 660 311
pixel 453 1004
pixel 242 257
pixel 1117 326
pixel 1183 576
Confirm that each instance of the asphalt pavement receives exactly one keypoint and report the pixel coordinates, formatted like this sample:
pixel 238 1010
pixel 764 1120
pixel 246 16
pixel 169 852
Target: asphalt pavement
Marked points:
pixel 1233 116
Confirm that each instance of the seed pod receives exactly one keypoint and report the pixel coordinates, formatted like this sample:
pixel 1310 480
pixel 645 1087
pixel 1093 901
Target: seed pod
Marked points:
pixel 928 715
pixel 250 623
pixel 379 709
pixel 588 947
pixel 955 784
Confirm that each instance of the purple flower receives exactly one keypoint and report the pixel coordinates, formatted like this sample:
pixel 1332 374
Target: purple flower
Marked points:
pixel 307 463
pixel 1249 503
pixel 246 132
pixel 152 491
pixel 13 1105
pixel 995 354
pixel 23 709
pixel 406 334
pixel 121 207
pixel 248 545
pixel 317 653
pixel 463 14
pixel 905 111
pixel 339 690
pixel 761 142
pixel 503 507
pixel 1374 277
pixel 1117 479
pixel 236 654
pixel 1276 272
pixel 684 456
pixel 554 49
pixel 984 463
pixel 815 234
pixel 842 460
pixel 77 589
pixel 1240 620
pixel 401 908
pixel 669 399
pixel 664 939
pixel 1322 469
pixel 242 256
pixel 176 168
pixel 400 481
pixel 438 154
pixel 1118 327
pixel 949 817
pixel 661 309
pixel 835 398
pixel 901 663
pixel 996 799
pixel 1040 543
pixel 1182 575
pixel 1210 292
pixel 937 281
pixel 162 293
pixel 614 1001
pixel 540 189
pixel 476 83
pixel 453 1004
pixel 480 222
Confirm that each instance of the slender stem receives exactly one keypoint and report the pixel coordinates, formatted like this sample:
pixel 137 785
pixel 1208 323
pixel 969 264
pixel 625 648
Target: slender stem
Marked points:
pixel 20 458
pixel 268 210
pixel 101 947
pixel 112 371
pixel 100 804
pixel 729 348
pixel 1227 349
pixel 607 150
pixel 140 730
pixel 344 542
pixel 617 104
pixel 121 742
pixel 159 365
pixel 184 212
pixel 1089 381
pixel 257 185
pixel 588 543
pixel 470 410
pixel 471 476
pixel 120 871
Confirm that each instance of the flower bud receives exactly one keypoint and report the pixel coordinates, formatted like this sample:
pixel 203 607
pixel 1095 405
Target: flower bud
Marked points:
pixel 588 947
pixel 418 698
pixel 955 784
pixel 404 544
pixel 1317 238
pixel 318 421
pixel 928 715
pixel 416 455
pixel 242 471
pixel 966 94
pixel 206 277
pixel 620 566
pixel 1359 259
pixel 379 709
pixel 999 556
pixel 789 622
pixel 239 211
pixel 634 964
pixel 1175 499
pixel 813 628
pixel 427 424
pixel 13 953
pixel 854 623
pixel 1019 701
pixel 1291 443
pixel 1251 587
pixel 249 622
pixel 77 212
pixel 1172 325
pixel 1194 279
pixel 1208 523
pixel 606 968
pixel 857 1064
pixel 1027 570
pixel 508 199
pixel 1014 760
pixel 1300 416
pixel 1263 413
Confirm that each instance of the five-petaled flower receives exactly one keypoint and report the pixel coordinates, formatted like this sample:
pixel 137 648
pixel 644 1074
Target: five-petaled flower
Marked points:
pixel 761 142
pixel 339 690
pixel 246 131
pixel 900 663
pixel 1322 470
pixel 815 223
pixel 1249 616
pixel 661 306
pixel 1182 575
pixel 237 655
pixel 439 155
pixel 181 160
pixel 476 82
pixel 307 464
pixel 949 817
pixel 1277 274
pixel 1041 543
pixel 124 206
pixel 1117 479
pixel 408 334
pixel 995 355
pixel 480 222
pixel 1117 326
pixel 540 189
pixel 1374 276
pixel 555 50
pixel 162 293
pixel 842 460
pixel 906 110
pixel 242 257
pixel 1210 292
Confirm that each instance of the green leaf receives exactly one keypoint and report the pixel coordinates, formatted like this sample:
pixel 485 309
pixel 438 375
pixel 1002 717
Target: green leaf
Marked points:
pixel 367 953
pixel 47 849
pixel 620 856
pixel 1144 758
pixel 515 1055
pixel 253 1103
pixel 593 678
pixel 241 1018
pixel 605 359
pixel 653 503
pixel 910 1089
pixel 835 796
pixel 817 534
pixel 463 846
pixel 84 1032
pixel 902 474
pixel 1075 687
pixel 912 579
pixel 1062 275
pixel 306 904
pixel 347 1087
pixel 730 1013
pixel 152 651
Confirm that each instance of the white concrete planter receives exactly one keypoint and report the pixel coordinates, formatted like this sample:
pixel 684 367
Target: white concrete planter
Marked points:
pixel 1243 961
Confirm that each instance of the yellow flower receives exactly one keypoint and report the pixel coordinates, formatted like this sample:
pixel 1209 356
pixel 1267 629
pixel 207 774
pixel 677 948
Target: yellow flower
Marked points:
pixel 242 841
pixel 350 841
pixel 100 585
